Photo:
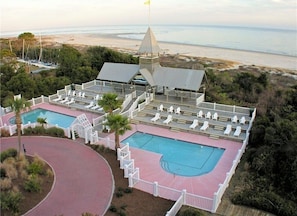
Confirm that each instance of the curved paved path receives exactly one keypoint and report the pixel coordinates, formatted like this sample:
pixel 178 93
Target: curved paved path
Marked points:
pixel 83 179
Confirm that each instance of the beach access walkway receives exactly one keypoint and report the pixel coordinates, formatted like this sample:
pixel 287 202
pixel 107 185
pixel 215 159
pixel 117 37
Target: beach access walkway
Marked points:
pixel 83 179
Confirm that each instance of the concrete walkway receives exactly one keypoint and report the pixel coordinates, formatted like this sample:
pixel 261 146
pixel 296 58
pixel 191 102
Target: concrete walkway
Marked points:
pixel 83 179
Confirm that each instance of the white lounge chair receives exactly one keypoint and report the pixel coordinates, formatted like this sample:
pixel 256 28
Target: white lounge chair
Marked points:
pixel 234 119
pixel 161 108
pixel 69 93
pixel 177 111
pixel 73 93
pixel 96 97
pixel 200 114
pixel 79 94
pixel 168 120
pixel 58 98
pixel 208 115
pixel 215 116
pixel 204 126
pixel 170 110
pixel 95 107
pixel 65 100
pixel 242 120
pixel 237 131
pixel 70 102
pixel 228 129
pixel 83 95
pixel 156 117
pixel 90 105
pixel 194 124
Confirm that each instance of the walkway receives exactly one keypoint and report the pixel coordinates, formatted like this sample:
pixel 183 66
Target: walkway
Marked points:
pixel 83 179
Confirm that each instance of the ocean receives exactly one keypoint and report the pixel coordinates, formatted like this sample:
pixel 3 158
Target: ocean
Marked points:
pixel 266 40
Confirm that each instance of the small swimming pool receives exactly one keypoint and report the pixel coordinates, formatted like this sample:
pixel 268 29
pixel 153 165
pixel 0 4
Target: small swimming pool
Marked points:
pixel 52 118
pixel 178 157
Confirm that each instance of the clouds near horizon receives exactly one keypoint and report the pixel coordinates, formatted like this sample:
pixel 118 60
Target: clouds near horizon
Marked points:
pixel 17 15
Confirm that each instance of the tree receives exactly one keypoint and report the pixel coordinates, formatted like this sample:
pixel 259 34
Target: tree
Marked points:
pixel 110 102
pixel 41 121
pixel 119 124
pixel 18 105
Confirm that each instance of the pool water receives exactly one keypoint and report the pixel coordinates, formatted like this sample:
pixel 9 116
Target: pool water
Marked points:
pixel 52 118
pixel 178 157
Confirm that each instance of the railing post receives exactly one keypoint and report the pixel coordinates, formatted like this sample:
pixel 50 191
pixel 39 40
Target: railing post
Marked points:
pixel 126 171
pixel 214 204
pixel 156 189
pixel 184 193
pixel 130 180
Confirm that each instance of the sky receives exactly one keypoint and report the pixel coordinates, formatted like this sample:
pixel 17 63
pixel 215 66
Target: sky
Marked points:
pixel 25 15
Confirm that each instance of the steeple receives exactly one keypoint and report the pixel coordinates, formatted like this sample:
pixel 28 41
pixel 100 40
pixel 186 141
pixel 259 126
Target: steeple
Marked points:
pixel 149 51
pixel 149 45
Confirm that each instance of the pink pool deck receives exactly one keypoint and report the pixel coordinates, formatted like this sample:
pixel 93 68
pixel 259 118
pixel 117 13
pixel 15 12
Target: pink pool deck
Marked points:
pixel 204 185
pixel 54 108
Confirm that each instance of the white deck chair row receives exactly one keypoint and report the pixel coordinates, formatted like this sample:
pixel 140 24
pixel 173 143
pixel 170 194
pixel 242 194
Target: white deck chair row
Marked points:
pixel 208 115
pixel 229 129
pixel 170 109
pixel 234 119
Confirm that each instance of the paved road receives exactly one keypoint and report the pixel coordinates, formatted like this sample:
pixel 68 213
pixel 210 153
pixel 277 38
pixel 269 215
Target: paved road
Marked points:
pixel 83 179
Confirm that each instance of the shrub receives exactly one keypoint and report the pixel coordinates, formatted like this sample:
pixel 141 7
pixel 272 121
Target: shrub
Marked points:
pixel 11 170
pixel 11 152
pixel 5 184
pixel 35 168
pixel 119 194
pixel 10 201
pixel 32 184
pixel 39 130
pixel 49 173
pixel 112 208
pixel 56 132
pixel 267 201
pixel 128 190
pixel 4 133
pixel 22 163
pixel 189 211
pixel 29 130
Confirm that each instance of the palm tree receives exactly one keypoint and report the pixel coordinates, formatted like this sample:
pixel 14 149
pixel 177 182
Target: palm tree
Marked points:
pixel 41 121
pixel 119 124
pixel 17 105
pixel 110 102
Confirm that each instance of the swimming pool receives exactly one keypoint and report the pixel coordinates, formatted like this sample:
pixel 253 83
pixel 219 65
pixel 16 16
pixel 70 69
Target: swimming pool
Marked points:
pixel 178 157
pixel 52 118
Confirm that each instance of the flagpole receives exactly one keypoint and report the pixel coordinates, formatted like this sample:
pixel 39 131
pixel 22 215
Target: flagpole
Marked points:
pixel 149 15
pixel 148 2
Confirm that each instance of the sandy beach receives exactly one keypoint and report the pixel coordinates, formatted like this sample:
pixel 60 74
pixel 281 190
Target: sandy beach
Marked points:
pixel 238 56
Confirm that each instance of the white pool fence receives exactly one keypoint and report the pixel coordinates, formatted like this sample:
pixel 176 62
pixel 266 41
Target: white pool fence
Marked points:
pixel 181 197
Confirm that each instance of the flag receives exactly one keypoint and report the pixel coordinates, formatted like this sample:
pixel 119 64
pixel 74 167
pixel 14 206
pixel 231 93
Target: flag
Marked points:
pixel 147 2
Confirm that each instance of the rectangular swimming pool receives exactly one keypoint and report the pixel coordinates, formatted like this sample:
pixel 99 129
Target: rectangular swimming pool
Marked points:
pixel 178 157
pixel 52 117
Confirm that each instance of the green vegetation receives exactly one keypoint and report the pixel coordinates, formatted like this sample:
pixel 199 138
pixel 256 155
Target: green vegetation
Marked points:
pixel 270 162
pixel 19 176
pixel 40 130
pixel 119 124
pixel 74 67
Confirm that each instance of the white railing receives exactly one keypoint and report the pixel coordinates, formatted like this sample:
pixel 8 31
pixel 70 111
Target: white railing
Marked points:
pixel 223 107
pixel 177 205
pixel 128 99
